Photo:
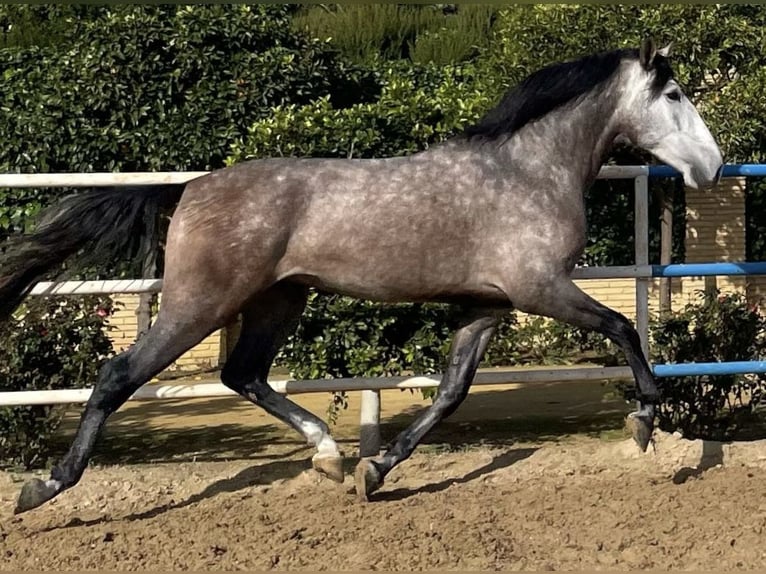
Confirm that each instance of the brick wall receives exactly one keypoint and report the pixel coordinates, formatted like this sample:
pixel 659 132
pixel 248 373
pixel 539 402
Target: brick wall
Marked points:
pixel 124 323
pixel 124 326
pixel 715 231
pixel 756 289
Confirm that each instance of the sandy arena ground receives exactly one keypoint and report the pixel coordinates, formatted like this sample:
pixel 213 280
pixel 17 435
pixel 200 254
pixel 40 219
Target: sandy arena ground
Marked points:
pixel 572 496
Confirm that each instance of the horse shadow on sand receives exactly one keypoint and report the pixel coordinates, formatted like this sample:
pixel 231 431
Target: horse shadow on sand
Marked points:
pixel 256 475
pixel 712 456
pixel 503 460
pixel 266 474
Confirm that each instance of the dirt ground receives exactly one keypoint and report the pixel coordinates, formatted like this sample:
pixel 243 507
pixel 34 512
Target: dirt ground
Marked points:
pixel 480 494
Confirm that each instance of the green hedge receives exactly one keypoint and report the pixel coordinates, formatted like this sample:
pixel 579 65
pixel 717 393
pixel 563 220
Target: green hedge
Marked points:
pixel 135 88
pixel 417 106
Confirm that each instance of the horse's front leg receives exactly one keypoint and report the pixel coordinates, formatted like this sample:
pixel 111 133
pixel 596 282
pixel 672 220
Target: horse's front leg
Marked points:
pixel 468 346
pixel 561 299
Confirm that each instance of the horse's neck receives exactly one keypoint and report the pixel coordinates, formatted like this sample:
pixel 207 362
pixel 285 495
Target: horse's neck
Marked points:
pixel 570 142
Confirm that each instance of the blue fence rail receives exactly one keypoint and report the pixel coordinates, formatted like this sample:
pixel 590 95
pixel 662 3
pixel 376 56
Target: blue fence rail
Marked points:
pixel 729 170
pixel 709 369
pixel 706 270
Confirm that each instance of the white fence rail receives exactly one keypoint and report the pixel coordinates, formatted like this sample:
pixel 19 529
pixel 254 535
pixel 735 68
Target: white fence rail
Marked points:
pixel 97 179
pixel 293 387
pixel 108 286
pixel 371 398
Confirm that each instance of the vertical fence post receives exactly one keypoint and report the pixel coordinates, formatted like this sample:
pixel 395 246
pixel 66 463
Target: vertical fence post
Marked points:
pixel 641 242
pixel 369 424
pixel 666 249
pixel 145 300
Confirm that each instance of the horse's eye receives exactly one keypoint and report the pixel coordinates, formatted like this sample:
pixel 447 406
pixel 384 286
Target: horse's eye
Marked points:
pixel 674 96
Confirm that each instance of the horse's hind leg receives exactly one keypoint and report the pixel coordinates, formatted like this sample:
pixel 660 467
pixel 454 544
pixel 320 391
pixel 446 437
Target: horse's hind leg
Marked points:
pixel 266 324
pixel 564 301
pixel 468 346
pixel 119 378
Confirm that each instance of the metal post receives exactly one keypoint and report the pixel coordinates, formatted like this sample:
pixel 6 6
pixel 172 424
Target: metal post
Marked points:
pixel 369 424
pixel 666 249
pixel 145 300
pixel 641 241
pixel 148 271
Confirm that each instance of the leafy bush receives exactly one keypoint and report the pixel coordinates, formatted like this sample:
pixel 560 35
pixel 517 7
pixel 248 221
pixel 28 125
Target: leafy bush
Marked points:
pixel 51 343
pixel 718 328
pixel 541 341
pixel 341 337
pixel 344 337
pixel 417 106
pixel 145 88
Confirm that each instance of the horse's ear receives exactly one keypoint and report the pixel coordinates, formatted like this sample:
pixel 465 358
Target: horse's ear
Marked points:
pixel 647 52
pixel 665 52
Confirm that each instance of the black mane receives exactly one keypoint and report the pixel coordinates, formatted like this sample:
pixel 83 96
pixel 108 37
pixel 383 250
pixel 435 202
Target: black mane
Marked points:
pixel 555 85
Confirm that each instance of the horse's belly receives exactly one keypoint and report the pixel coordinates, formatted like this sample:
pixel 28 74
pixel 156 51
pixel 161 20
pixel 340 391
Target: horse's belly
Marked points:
pixel 388 283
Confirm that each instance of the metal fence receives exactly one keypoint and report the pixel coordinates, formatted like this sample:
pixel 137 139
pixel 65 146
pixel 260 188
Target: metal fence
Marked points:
pixel 642 272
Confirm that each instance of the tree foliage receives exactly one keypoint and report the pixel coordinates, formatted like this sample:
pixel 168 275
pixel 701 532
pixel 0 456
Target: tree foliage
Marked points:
pixel 717 53
pixel 37 25
pixel 373 33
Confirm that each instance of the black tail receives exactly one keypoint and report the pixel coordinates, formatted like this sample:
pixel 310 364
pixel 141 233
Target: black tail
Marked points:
pixel 103 224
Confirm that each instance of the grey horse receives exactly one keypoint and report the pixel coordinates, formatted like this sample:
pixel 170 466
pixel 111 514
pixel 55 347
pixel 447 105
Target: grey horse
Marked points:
pixel 489 220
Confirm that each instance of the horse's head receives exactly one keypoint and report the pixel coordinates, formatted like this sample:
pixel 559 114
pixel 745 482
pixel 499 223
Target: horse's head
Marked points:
pixel 655 115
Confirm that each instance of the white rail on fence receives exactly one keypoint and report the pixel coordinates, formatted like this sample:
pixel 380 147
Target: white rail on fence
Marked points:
pixel 102 179
pixel 105 287
pixel 177 177
pixel 132 286
pixel 295 387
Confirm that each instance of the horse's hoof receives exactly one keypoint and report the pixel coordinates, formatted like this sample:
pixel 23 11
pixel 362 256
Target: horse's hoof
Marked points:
pixel 330 466
pixel 642 428
pixel 367 479
pixel 34 493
